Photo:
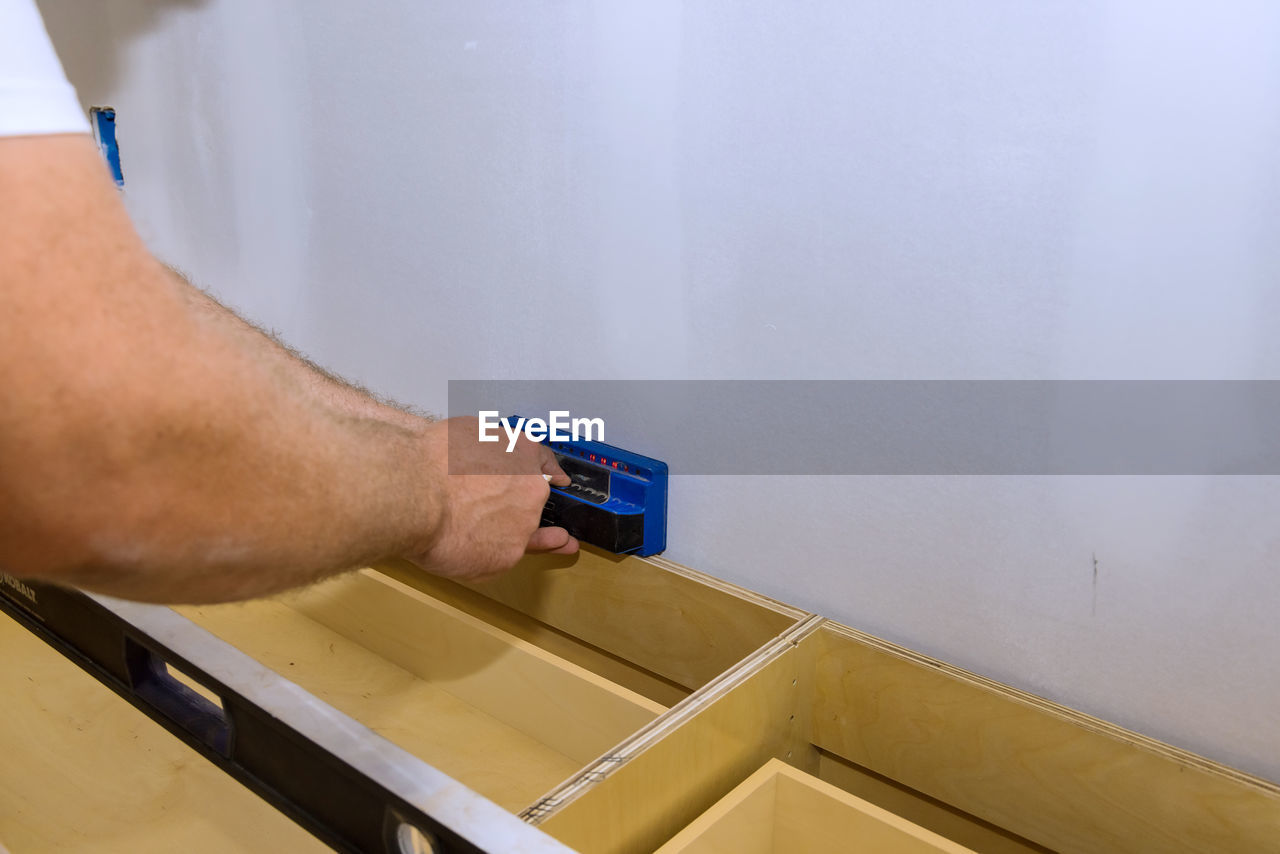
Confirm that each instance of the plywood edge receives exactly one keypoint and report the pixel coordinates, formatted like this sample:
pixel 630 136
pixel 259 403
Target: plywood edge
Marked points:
pixel 750 806
pixel 735 822
pixel 821 788
pixel 604 767
pixel 743 593
pixel 666 775
pixel 675 718
pixel 1056 710
pixel 673 622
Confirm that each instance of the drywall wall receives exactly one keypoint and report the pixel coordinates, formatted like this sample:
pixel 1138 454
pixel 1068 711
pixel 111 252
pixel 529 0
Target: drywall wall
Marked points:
pixel 413 192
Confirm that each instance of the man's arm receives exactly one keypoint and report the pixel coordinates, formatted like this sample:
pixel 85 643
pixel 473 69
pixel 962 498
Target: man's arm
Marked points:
pixel 150 448
pixel 332 390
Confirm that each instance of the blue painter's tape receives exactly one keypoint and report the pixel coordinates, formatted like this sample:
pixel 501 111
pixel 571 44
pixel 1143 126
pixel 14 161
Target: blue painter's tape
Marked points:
pixel 104 128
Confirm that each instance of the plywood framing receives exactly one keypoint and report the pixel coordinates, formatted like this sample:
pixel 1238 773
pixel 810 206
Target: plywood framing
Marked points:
pixel 919 809
pixel 779 810
pixel 685 626
pixel 571 710
pixel 669 774
pixel 742 822
pixel 1057 777
pixel 814 816
pixel 505 765
pixel 84 771
pixel 612 667
pixel 979 763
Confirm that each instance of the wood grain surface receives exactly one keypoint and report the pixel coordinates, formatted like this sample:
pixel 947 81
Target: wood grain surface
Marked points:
pixel 84 771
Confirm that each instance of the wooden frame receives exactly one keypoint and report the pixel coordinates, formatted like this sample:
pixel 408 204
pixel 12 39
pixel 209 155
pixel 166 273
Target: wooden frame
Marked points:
pixel 501 715
pixel 612 702
pixel 509 690
pixel 781 810
pixel 663 778
pixel 679 626
pixel 567 707
pixel 538 674
pixel 1054 776
pixel 985 765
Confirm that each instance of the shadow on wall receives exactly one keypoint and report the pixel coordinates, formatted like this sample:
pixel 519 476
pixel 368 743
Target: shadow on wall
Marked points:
pixel 89 37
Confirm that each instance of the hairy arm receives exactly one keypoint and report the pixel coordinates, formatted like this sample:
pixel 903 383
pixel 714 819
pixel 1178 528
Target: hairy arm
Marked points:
pixel 327 388
pixel 155 447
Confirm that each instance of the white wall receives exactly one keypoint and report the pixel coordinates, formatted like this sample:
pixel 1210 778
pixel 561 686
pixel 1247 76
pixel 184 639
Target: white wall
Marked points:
pixel 415 191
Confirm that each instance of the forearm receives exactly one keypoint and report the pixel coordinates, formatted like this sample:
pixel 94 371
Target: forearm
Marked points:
pixel 148 449
pixel 227 480
pixel 329 389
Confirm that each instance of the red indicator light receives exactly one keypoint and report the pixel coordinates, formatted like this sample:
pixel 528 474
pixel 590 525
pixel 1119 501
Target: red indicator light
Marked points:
pixel 593 458
pixel 615 463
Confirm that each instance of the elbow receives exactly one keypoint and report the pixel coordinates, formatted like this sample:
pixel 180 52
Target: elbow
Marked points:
pixel 74 494
pixel 60 531
pixel 96 539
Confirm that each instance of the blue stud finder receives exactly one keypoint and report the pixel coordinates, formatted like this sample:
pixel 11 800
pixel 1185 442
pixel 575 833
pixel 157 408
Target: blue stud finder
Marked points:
pixel 617 499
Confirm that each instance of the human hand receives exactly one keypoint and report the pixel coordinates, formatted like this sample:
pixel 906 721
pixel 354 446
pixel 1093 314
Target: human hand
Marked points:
pixel 491 504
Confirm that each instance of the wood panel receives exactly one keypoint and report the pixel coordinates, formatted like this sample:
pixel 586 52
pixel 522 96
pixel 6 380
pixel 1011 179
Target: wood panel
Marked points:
pixel 85 771
pixel 654 786
pixel 945 820
pixel 779 810
pixel 616 669
pixel 742 822
pixel 498 761
pixel 1054 776
pixel 682 625
pixel 571 710
pixel 814 816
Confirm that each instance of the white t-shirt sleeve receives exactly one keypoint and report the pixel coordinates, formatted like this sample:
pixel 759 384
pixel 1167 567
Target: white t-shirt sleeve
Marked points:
pixel 35 97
